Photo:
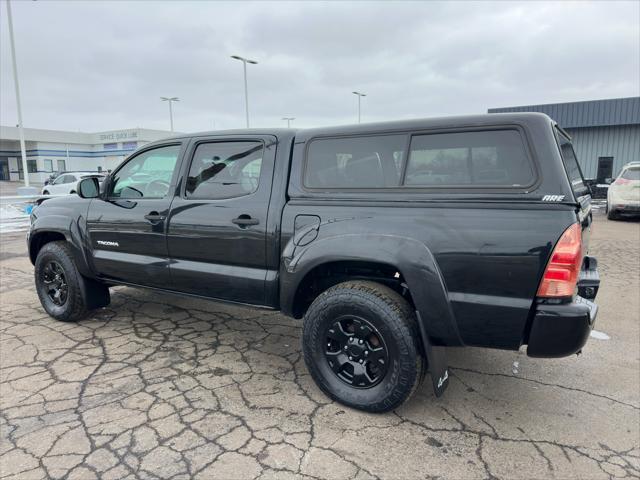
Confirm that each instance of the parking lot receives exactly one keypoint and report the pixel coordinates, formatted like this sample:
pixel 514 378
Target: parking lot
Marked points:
pixel 160 386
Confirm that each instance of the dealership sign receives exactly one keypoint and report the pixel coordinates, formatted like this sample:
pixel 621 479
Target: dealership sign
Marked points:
pixel 125 134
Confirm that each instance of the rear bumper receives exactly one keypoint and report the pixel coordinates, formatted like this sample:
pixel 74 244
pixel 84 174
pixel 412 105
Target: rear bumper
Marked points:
pixel 559 330
pixel 628 208
pixel 621 205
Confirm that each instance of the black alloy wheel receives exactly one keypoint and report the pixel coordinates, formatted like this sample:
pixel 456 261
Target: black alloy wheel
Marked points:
pixel 361 344
pixel 356 352
pixel 55 283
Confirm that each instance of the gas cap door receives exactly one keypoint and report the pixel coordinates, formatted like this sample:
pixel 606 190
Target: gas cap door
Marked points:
pixel 305 229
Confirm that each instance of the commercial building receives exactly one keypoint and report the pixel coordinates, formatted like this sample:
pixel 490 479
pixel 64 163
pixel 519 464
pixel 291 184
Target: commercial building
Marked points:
pixel 605 133
pixel 51 151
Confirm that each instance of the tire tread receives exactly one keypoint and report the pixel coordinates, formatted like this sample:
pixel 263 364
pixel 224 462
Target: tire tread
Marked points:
pixel 78 310
pixel 403 323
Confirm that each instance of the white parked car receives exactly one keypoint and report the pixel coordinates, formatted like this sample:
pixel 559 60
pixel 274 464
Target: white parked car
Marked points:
pixel 623 196
pixel 67 182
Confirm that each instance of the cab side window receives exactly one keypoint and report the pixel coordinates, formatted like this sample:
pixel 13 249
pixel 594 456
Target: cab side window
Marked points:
pixel 147 175
pixel 225 170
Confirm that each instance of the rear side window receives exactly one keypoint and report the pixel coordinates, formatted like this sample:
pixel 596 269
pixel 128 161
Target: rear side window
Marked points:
pixel 572 167
pixel 631 173
pixel 489 158
pixel 355 162
pixel 225 170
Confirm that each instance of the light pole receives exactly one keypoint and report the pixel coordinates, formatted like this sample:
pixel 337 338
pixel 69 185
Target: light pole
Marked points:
pixel 246 90
pixel 360 95
pixel 170 100
pixel 23 149
pixel 289 120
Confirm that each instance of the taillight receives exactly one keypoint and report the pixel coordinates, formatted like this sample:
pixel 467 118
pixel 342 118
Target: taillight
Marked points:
pixel 621 181
pixel 561 275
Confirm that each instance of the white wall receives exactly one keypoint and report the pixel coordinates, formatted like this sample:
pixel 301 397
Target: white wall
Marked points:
pixel 53 145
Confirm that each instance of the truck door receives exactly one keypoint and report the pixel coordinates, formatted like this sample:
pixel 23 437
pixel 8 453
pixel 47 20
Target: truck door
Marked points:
pixel 217 224
pixel 127 227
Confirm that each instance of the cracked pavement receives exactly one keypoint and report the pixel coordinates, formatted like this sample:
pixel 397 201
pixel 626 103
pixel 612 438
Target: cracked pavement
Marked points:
pixel 161 386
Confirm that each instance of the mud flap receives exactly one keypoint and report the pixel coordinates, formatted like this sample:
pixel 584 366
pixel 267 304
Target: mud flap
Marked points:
pixel 96 295
pixel 436 361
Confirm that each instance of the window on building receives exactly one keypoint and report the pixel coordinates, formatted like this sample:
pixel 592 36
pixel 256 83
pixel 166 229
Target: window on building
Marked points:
pixel 225 170
pixel 62 166
pixel 48 165
pixel 32 166
pixel 355 162
pixel 110 146
pixel 129 145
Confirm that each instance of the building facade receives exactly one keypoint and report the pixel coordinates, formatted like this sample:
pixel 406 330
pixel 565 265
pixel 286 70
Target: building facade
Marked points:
pixel 51 151
pixel 605 133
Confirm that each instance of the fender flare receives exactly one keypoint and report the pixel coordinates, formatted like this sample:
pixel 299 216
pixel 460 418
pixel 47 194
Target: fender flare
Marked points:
pixel 71 230
pixel 412 258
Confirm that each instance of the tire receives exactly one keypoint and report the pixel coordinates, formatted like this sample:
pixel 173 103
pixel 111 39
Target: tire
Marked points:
pixel 611 214
pixel 333 328
pixel 46 192
pixel 56 258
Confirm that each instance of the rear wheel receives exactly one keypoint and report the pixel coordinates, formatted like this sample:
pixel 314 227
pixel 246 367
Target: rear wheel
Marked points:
pixel 361 346
pixel 611 214
pixel 46 192
pixel 64 293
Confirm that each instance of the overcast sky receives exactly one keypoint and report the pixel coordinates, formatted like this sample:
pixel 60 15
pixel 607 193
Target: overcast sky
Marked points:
pixel 94 66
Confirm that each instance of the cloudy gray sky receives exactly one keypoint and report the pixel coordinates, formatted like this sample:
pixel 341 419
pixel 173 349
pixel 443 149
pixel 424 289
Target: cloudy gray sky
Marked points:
pixel 94 66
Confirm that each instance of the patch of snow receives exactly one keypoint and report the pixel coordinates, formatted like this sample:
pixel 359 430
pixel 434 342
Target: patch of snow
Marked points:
pixel 13 218
pixel 599 335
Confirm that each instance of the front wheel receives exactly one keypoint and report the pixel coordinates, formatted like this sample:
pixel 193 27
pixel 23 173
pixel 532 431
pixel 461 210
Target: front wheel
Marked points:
pixel 361 346
pixel 59 283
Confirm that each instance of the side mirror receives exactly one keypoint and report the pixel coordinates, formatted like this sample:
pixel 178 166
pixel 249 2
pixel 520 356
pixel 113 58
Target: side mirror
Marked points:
pixel 88 188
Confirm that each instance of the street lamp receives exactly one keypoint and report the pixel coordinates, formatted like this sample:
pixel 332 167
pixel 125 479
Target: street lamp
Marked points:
pixel 289 120
pixel 360 95
pixel 23 149
pixel 170 100
pixel 246 91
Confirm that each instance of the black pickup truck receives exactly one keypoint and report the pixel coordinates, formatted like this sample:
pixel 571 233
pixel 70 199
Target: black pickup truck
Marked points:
pixel 392 241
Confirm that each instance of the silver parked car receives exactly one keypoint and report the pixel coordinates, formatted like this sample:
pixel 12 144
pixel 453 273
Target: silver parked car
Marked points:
pixel 67 182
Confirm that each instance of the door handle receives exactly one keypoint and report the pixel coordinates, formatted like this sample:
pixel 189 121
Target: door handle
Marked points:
pixel 154 217
pixel 245 220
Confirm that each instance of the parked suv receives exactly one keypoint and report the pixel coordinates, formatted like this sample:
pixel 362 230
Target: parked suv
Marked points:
pixel 623 196
pixel 392 242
